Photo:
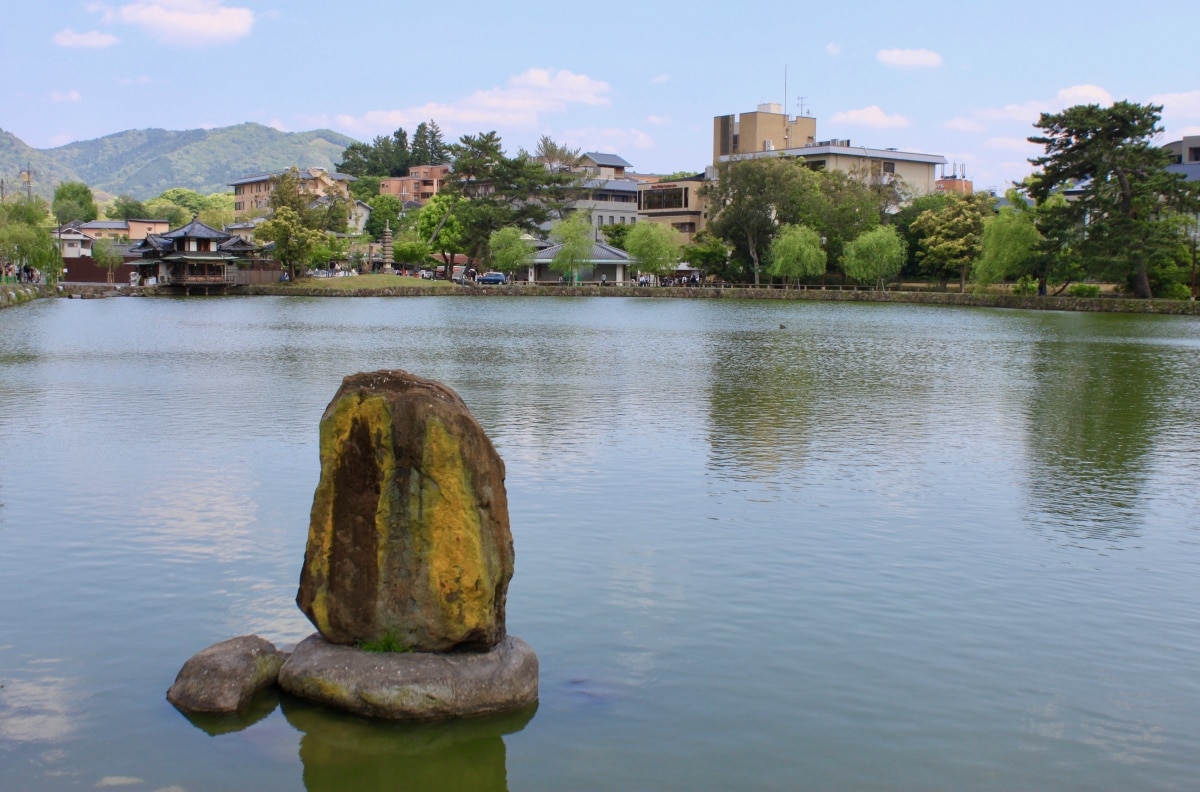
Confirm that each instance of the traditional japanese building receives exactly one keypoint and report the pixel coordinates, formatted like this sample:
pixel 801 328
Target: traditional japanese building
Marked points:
pixel 196 257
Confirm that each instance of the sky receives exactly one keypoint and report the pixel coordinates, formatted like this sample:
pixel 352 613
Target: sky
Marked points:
pixel 966 79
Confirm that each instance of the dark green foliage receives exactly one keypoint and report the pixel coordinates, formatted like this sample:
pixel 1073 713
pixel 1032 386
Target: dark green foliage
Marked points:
pixel 74 201
pixel 125 207
pixel 1122 216
pixel 616 234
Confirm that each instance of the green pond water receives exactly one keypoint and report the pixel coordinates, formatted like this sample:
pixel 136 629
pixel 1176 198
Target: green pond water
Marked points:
pixel 760 545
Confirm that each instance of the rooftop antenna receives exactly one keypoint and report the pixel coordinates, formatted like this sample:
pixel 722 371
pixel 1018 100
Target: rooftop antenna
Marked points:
pixel 803 109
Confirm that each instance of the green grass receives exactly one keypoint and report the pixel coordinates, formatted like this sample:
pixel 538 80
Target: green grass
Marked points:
pixel 388 643
pixel 376 281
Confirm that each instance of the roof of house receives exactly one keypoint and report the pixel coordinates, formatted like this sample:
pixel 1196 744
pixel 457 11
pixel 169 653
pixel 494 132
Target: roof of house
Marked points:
pixel 607 160
pixel 1190 170
pixel 613 185
pixel 195 230
pixel 600 253
pixel 303 172
pixel 112 224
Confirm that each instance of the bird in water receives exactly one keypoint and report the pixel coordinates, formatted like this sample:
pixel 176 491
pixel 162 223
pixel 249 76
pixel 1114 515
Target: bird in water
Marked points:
pixel 783 327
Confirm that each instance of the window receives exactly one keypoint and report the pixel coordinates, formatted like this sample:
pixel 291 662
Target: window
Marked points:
pixel 1194 154
pixel 669 198
pixel 889 167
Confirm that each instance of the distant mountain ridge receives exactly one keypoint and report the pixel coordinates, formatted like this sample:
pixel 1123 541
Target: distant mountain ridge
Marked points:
pixel 144 162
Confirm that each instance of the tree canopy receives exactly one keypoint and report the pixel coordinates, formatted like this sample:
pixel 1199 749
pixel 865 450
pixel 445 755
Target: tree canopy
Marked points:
pixel 655 247
pixel 294 241
pixel 875 256
pixel 74 201
pixel 574 237
pixel 796 252
pixel 1123 195
pixel 509 249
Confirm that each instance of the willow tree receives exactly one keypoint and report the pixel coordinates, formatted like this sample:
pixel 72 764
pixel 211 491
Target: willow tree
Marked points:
pixel 574 239
pixel 796 253
pixel 875 256
pixel 654 246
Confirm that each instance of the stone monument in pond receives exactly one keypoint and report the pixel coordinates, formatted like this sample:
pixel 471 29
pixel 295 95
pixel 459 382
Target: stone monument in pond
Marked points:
pixel 408 561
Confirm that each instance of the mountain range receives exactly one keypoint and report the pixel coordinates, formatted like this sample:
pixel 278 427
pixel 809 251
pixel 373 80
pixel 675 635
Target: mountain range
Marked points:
pixel 144 162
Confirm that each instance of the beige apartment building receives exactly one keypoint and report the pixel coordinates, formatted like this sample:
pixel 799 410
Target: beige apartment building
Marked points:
pixel 769 132
pixel 422 183
pixel 131 229
pixel 766 129
pixel 680 204
pixel 252 195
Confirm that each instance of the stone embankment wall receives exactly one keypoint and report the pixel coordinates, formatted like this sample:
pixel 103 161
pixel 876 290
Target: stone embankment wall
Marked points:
pixel 1092 304
pixel 17 293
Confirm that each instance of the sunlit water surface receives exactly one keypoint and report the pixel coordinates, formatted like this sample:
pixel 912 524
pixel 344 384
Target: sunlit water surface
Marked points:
pixel 759 545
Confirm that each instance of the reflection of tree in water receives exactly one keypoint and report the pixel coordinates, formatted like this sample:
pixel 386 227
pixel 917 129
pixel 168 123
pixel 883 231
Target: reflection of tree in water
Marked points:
pixel 762 409
pixel 345 752
pixel 1092 426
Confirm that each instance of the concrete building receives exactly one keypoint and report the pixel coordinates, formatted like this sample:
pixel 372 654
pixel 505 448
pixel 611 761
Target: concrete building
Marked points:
pixel 766 129
pixel 132 229
pixel 769 133
pixel 252 194
pixel 1185 151
pixel 679 203
pixel 422 183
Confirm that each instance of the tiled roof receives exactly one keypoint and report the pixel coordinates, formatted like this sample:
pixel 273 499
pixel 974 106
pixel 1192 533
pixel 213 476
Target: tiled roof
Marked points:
pixel 600 253
pixel 195 230
pixel 607 160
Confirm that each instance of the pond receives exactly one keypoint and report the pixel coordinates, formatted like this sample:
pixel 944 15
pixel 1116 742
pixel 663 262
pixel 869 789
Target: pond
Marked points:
pixel 760 545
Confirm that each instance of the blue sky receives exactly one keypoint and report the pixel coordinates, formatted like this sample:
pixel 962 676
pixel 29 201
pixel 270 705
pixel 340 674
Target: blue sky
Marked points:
pixel 962 79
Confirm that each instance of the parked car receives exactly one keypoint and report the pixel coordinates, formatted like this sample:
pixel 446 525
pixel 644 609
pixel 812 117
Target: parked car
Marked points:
pixel 491 279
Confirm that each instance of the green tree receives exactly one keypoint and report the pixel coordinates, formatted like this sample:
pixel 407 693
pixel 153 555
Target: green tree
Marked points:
pixel 30 245
pixel 708 254
pixel 843 208
pixel 1125 193
pixel 294 241
pixel 107 256
pixel 428 145
pixel 74 201
pixel 875 256
pixel 509 249
pixel 951 238
pixel 655 247
pixel 162 209
pixel 796 253
pixel 616 234
pixel 903 220
pixel 385 210
pixel 501 191
pixel 574 237
pixel 364 188
pixel 1010 246
pixel 126 207
pixel 409 249
pixel 440 227
pixel 752 198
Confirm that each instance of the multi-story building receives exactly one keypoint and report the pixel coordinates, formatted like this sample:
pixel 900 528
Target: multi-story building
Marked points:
pixel 759 134
pixel 422 183
pixel 766 129
pixel 252 195
pixel 133 229
pixel 679 203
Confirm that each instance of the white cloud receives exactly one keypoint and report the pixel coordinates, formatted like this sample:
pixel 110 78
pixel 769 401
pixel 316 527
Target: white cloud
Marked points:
pixel 1027 113
pixel 833 49
pixel 186 23
pixel 658 120
pixel 1184 105
pixel 608 139
pixel 277 124
pixel 871 116
pixel 520 103
pixel 92 39
pixel 660 79
pixel 65 96
pixel 909 58
pixel 964 125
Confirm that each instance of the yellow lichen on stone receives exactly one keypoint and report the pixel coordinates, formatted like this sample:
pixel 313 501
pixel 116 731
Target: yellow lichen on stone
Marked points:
pixel 336 429
pixel 456 560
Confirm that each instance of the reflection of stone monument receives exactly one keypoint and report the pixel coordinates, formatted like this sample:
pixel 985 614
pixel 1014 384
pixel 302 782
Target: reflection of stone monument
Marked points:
pixel 405 574
pixel 409 552
pixel 387 248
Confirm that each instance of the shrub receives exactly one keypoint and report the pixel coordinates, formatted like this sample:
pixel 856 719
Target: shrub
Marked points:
pixel 1083 290
pixel 1026 286
pixel 1174 291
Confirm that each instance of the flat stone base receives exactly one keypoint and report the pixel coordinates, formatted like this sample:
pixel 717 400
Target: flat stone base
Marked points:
pixel 413 685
